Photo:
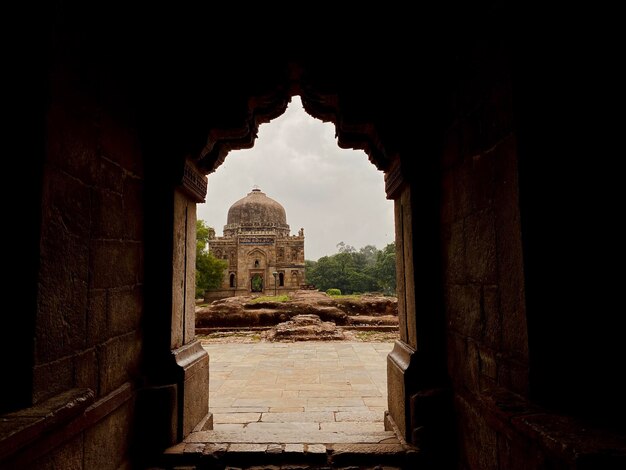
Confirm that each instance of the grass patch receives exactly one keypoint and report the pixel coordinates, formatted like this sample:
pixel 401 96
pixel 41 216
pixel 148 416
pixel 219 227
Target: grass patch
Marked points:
pixel 376 335
pixel 347 296
pixel 270 298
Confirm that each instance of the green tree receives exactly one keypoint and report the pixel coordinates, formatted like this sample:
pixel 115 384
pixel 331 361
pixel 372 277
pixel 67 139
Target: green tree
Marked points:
pixel 385 269
pixel 209 269
pixel 204 233
pixel 324 273
pixel 352 271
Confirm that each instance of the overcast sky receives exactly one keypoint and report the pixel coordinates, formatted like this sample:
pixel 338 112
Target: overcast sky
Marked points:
pixel 336 195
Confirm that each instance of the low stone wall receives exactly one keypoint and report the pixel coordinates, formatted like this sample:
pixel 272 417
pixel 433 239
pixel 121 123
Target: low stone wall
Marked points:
pixel 242 311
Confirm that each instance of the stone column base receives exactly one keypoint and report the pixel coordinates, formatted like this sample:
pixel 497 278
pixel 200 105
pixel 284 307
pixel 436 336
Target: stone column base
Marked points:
pixel 401 380
pixel 192 366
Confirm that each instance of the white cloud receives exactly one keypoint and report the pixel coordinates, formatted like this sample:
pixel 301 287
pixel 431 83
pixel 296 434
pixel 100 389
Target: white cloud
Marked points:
pixel 335 194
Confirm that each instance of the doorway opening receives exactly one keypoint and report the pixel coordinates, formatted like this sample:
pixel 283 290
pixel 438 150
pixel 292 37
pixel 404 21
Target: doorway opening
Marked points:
pixel 260 383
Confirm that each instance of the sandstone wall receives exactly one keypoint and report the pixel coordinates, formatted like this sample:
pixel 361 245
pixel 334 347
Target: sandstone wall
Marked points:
pixel 88 342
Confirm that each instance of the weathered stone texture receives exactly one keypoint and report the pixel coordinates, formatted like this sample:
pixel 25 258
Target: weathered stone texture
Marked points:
pixel 482 237
pixel 454 253
pixel 115 263
pixel 68 456
pixel 118 359
pixel 96 317
pixel 478 442
pixel 509 247
pixel 482 255
pixel 179 261
pixel 400 271
pixel 132 194
pixel 410 289
pixel 190 275
pixel 482 181
pixel 490 312
pixel 62 296
pixel 464 359
pixel 124 309
pixel 107 443
pixel 513 374
pixel 108 175
pixel 480 247
pixel 196 393
pixel 90 242
pixel 462 177
pixel 52 378
pixel 108 210
pixel 67 203
pixel 86 370
pixel 120 143
pixel 463 307
pixel 487 366
pixel 72 134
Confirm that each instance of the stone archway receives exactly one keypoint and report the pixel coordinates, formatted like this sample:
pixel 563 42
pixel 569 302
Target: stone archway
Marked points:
pixel 402 370
pixel 233 124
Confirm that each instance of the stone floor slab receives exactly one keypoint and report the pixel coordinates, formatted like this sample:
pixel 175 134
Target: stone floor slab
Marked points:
pixel 289 437
pixel 230 418
pixel 297 393
pixel 352 427
pixel 304 417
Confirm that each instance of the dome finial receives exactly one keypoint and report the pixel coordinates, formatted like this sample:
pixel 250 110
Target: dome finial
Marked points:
pixel 256 188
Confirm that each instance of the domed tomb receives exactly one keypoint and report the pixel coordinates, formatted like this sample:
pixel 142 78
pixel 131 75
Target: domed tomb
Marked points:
pixel 256 211
pixel 262 256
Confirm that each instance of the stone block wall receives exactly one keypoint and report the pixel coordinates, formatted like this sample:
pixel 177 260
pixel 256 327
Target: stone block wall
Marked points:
pixel 487 339
pixel 90 296
pixel 521 387
pixel 484 278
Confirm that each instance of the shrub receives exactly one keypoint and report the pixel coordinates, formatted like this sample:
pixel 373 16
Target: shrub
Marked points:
pixel 333 292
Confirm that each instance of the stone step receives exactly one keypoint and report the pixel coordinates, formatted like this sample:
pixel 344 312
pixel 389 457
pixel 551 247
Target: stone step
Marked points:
pixel 290 445
pixel 272 435
pixel 285 455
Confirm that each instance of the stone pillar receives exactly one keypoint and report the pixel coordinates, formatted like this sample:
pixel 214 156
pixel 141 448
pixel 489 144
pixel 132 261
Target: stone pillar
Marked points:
pixel 418 397
pixel 401 360
pixel 192 361
pixel 176 396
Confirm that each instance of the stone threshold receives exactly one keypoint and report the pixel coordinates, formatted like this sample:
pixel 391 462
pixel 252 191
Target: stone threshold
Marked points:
pixel 250 455
pixel 288 449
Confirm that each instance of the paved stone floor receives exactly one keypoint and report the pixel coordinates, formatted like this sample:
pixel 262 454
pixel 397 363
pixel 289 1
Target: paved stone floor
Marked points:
pixel 309 404
pixel 337 387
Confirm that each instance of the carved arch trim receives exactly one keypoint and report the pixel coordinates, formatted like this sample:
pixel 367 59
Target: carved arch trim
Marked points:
pixel 324 105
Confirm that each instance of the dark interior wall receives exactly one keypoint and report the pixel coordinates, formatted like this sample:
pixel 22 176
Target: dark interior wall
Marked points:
pixel 543 329
pixel 533 345
pixel 484 278
pixel 570 193
pixel 483 269
pixel 89 287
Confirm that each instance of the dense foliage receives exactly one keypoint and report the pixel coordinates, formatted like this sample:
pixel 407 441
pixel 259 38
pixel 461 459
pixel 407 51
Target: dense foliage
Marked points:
pixel 352 271
pixel 209 269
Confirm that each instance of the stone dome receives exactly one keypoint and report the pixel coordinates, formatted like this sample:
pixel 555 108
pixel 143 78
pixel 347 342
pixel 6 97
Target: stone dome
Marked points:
pixel 256 209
